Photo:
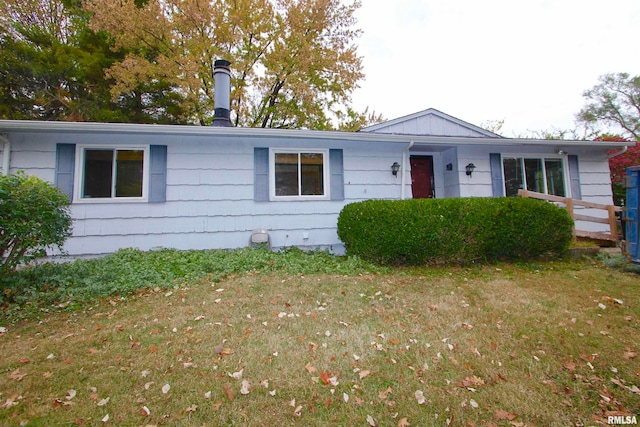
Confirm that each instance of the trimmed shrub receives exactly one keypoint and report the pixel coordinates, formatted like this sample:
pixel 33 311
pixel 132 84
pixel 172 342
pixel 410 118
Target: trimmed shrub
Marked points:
pixel 420 231
pixel 34 216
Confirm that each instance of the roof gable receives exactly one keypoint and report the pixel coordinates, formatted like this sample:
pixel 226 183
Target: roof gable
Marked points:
pixel 430 122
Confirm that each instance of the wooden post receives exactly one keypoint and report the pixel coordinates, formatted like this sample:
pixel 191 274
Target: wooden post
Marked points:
pixel 568 202
pixel 613 223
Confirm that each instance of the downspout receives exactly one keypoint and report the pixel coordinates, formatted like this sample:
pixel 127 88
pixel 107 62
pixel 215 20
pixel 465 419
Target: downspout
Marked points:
pixel 617 153
pixel 6 155
pixel 404 168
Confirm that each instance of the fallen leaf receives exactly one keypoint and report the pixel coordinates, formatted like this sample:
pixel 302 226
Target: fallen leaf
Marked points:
pixel 384 394
pixel 103 401
pixel 70 395
pixel 629 354
pixel 420 397
pixel 17 375
pixel 345 397
pixel 105 418
pixel 403 422
pixel 297 412
pixel 191 408
pixel 144 411
pixel 358 401
pixel 324 377
pixel 310 368
pixel 237 375
pixel 371 421
pixel 472 381
pixel 504 415
pixel 166 388
pixel 57 403
pixel 569 365
pixel 473 404
pixel 364 374
pixel 227 391
pixel 245 387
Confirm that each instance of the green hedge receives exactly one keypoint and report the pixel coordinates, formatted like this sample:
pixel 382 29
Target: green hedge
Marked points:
pixel 420 231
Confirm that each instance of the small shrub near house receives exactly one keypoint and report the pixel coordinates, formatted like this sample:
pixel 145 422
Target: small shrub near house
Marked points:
pixel 34 216
pixel 420 231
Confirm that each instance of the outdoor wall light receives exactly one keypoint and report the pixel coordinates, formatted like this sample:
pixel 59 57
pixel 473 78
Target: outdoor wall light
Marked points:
pixel 561 152
pixel 395 167
pixel 470 168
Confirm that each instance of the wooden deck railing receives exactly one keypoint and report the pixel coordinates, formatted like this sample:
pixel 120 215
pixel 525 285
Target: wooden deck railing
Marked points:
pixel 569 204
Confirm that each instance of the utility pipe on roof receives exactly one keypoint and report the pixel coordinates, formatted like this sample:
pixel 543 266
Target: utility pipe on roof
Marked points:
pixel 404 168
pixel 6 154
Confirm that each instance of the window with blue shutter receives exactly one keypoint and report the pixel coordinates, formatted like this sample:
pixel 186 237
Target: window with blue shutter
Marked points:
pixel 298 174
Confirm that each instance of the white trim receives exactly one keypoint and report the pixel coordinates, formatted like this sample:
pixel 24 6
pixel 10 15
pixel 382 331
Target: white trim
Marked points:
pixel 79 174
pixel 212 131
pixel 565 169
pixel 325 175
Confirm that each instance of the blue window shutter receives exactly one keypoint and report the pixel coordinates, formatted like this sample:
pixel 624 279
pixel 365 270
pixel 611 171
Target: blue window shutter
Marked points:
pixel 157 173
pixel 261 174
pixel 336 173
pixel 65 168
pixel 574 177
pixel 497 184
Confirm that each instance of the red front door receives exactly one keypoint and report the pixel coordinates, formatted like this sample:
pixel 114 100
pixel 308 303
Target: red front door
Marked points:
pixel 422 177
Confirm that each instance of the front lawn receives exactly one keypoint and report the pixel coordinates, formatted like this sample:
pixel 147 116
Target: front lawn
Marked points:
pixel 310 340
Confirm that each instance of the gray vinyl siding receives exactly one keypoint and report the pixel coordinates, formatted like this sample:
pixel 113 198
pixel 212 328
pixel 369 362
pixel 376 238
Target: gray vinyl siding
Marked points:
pixel 210 194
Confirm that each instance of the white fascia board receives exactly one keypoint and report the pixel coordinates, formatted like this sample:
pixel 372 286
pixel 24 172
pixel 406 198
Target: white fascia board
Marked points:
pixel 151 129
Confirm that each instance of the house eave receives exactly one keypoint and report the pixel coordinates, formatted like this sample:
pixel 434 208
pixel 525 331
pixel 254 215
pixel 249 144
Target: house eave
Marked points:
pixel 30 126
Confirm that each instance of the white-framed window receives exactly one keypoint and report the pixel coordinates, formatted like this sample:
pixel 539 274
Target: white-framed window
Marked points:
pixel 298 174
pixel 108 173
pixel 545 175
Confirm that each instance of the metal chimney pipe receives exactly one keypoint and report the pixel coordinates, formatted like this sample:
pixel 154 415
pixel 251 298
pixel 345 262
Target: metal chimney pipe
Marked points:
pixel 222 93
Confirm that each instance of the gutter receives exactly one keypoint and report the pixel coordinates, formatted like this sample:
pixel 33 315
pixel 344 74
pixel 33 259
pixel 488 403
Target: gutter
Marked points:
pixel 617 153
pixel 404 168
pixel 6 154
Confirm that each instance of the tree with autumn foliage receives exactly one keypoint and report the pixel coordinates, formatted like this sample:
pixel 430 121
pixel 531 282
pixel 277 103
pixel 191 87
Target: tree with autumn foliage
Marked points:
pixel 618 165
pixel 294 62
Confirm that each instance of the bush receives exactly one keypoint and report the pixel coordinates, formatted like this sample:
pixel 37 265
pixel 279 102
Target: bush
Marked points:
pixel 420 231
pixel 34 216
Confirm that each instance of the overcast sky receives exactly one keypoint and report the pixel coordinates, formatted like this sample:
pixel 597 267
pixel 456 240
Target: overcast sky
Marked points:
pixel 526 62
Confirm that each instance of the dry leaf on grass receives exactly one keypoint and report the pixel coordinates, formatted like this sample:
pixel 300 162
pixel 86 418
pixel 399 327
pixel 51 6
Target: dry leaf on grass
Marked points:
pixel 569 365
pixel 227 391
pixel 17 375
pixel 385 393
pixel 504 415
pixel 403 422
pixel 364 374
pixel 371 421
pixel 420 397
pixel 245 387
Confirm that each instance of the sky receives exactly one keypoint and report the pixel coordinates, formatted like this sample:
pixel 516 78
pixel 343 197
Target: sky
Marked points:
pixel 526 62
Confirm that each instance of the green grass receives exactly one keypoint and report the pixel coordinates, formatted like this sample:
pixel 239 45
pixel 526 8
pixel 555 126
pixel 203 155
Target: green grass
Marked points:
pixel 506 345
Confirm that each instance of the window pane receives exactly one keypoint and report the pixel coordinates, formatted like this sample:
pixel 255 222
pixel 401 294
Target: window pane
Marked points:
pixel 98 170
pixel 311 165
pixel 512 176
pixel 129 165
pixel 555 177
pixel 286 170
pixel 534 175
